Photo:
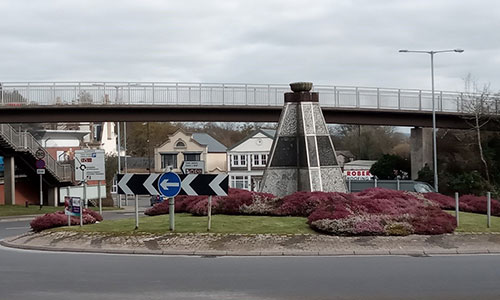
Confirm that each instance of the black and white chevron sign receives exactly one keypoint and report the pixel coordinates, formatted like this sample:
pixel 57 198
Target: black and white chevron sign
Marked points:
pixel 191 184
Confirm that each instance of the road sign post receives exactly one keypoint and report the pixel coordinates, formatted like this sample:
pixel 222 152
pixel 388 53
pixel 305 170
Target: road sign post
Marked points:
pixel 40 170
pixel 209 213
pixel 171 213
pixel 169 185
pixel 99 196
pixel 136 212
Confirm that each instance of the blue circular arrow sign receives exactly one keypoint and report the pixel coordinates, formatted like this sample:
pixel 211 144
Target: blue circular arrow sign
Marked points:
pixel 169 184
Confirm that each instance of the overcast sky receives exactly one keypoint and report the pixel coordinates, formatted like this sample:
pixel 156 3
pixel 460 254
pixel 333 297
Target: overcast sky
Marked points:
pixel 338 42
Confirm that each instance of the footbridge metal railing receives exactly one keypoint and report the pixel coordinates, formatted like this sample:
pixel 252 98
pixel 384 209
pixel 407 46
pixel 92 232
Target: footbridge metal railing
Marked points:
pixel 25 142
pixel 226 94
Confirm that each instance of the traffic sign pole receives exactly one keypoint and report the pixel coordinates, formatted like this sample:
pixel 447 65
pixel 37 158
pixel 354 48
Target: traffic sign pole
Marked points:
pixel 81 213
pixel 171 213
pixel 99 196
pixel 209 212
pixel 136 212
pixel 41 192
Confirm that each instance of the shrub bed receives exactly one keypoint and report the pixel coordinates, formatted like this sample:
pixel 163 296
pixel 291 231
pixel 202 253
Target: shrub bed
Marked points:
pixel 371 212
pixel 58 219
pixel 236 202
pixel 379 211
pixel 467 203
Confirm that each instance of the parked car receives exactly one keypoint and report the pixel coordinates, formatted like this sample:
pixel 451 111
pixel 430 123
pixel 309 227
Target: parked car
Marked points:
pixel 156 199
pixel 401 185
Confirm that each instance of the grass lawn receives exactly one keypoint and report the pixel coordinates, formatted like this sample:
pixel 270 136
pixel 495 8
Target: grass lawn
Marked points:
pixel 19 210
pixel 186 223
pixel 470 222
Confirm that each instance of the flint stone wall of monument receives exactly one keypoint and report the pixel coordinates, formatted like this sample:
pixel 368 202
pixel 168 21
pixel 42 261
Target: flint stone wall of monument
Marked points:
pixel 302 156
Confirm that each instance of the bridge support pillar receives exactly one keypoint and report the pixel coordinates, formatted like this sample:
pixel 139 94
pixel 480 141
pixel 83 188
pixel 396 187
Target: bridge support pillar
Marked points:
pixel 53 196
pixel 421 149
pixel 9 180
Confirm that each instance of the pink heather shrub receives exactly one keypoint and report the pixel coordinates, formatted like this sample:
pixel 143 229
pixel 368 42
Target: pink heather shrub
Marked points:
pixel 373 210
pixel 303 203
pixel 433 221
pixel 231 204
pixel 467 203
pixel 58 219
pixel 263 204
pixel 478 204
pixel 445 202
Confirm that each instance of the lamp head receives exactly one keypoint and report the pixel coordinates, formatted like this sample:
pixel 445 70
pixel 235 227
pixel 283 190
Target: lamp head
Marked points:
pixel 459 50
pixel 403 51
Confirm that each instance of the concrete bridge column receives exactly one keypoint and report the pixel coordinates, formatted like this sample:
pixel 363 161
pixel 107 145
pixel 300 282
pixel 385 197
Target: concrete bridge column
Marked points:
pixel 9 180
pixel 53 196
pixel 421 149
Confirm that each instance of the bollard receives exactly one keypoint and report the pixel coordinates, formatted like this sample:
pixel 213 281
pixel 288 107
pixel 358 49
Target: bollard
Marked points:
pixel 488 209
pixel 456 208
pixel 26 204
pixel 209 213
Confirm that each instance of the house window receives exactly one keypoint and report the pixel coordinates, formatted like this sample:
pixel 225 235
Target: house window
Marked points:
pixel 192 156
pixel 180 144
pixel 168 160
pixel 239 160
pixel 260 160
pixel 239 182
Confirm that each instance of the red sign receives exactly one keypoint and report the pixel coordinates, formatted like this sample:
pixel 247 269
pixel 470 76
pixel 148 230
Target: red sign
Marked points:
pixel 40 164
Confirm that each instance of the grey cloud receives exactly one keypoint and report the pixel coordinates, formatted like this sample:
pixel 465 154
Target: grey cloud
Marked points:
pixel 329 42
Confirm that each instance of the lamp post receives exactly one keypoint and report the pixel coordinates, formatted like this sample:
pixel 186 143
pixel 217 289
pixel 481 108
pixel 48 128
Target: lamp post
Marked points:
pixel 434 148
pixel 149 148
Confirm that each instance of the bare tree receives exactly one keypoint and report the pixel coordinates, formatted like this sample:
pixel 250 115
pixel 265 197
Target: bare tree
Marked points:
pixel 479 107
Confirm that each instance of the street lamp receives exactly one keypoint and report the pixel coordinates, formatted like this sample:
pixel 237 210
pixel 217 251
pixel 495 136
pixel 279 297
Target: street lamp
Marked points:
pixel 149 147
pixel 432 52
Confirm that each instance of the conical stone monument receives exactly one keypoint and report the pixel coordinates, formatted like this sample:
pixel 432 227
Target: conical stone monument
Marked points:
pixel 302 156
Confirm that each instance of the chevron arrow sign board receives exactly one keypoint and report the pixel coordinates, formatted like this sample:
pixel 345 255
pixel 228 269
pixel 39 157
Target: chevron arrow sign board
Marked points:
pixel 191 184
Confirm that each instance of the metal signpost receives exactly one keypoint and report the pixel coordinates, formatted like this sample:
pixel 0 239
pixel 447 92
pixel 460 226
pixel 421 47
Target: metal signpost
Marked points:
pixel 170 185
pixel 40 170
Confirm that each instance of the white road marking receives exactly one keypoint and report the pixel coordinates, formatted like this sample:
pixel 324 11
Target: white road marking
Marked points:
pixel 14 228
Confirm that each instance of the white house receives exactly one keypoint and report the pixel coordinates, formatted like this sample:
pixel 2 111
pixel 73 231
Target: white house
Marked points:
pixel 247 159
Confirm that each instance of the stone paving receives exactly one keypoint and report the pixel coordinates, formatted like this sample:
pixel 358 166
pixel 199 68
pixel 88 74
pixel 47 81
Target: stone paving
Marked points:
pixel 260 244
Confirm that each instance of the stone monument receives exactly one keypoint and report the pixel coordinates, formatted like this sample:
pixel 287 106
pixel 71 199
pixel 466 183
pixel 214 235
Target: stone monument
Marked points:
pixel 302 156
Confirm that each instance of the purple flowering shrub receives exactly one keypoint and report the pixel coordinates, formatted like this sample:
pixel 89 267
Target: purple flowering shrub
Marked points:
pixel 467 203
pixel 478 204
pixel 58 219
pixel 380 211
pixel 371 212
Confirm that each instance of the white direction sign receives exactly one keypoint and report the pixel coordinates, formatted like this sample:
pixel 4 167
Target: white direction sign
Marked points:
pixel 91 163
pixel 193 167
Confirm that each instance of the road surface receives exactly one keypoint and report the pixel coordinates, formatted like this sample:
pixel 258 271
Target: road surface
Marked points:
pixel 52 275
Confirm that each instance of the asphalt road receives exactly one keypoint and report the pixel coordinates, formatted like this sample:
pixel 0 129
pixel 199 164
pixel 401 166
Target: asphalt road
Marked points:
pixel 52 275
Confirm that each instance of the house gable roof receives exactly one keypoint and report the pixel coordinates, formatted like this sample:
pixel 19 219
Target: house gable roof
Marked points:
pixel 214 146
pixel 267 132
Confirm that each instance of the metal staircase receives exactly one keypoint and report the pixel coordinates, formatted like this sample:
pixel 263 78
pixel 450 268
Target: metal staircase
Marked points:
pixel 23 143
